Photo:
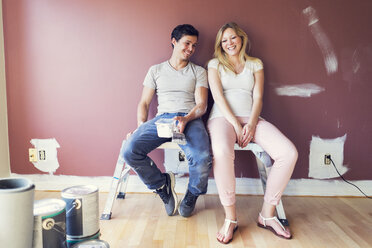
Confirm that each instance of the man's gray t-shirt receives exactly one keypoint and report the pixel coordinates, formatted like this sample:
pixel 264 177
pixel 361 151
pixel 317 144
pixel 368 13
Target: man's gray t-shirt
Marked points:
pixel 175 89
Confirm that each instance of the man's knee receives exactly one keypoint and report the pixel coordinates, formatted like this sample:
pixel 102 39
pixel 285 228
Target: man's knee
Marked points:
pixel 129 153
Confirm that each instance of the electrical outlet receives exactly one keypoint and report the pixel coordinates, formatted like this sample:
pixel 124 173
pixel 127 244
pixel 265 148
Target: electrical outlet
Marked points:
pixel 42 155
pixel 327 159
pixel 181 156
pixel 32 155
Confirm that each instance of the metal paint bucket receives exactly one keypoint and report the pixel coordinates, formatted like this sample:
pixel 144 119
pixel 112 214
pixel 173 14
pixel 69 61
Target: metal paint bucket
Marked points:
pixel 92 244
pixel 71 242
pixel 16 217
pixel 49 224
pixel 82 218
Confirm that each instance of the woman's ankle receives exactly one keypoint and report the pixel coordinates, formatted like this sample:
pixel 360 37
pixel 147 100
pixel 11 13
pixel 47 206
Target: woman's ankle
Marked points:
pixel 267 210
pixel 230 212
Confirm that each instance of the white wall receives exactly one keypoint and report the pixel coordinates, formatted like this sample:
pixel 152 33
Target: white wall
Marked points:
pixel 4 140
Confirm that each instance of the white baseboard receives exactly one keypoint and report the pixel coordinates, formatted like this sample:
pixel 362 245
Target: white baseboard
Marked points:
pixel 249 186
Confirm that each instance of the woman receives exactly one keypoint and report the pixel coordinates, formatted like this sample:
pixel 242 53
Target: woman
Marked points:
pixel 237 82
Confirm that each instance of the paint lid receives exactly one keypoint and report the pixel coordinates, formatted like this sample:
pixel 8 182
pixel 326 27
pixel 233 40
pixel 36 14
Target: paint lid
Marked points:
pixel 79 190
pixel 46 207
pixel 95 243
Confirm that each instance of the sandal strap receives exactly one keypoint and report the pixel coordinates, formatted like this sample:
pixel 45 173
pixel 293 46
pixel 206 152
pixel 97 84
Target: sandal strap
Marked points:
pixel 228 222
pixel 271 218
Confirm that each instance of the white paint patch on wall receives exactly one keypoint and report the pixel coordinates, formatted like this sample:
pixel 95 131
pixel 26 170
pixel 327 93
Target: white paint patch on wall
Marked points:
pixel 301 90
pixel 46 154
pixel 330 59
pixel 318 148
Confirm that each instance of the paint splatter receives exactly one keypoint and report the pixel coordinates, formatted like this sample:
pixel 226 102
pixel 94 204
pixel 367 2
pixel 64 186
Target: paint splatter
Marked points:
pixel 355 61
pixel 301 90
pixel 330 59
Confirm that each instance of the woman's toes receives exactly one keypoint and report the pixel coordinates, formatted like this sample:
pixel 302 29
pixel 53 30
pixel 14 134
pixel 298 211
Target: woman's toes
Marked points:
pixel 287 233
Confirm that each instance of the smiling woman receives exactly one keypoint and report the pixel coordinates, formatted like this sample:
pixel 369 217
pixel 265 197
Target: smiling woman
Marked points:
pixel 236 81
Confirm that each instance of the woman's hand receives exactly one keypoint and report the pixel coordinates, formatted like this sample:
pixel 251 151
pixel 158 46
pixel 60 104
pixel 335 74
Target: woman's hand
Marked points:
pixel 248 133
pixel 239 133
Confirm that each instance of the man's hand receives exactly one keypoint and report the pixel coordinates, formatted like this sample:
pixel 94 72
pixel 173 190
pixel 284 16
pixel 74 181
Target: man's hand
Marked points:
pixel 182 122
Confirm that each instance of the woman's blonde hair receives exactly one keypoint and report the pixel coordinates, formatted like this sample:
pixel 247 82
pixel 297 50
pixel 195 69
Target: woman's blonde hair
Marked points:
pixel 220 54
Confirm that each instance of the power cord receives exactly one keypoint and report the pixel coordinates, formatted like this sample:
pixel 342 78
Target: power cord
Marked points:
pixel 347 180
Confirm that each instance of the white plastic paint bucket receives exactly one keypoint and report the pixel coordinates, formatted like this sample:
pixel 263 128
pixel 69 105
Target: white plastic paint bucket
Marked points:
pixel 16 212
pixel 82 217
pixel 49 224
pixel 94 243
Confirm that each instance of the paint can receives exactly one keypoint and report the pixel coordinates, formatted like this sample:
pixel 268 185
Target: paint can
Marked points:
pixel 71 242
pixel 49 224
pixel 92 244
pixel 16 215
pixel 82 218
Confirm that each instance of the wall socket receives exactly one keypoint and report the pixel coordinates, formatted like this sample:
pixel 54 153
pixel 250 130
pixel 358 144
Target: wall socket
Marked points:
pixel 32 154
pixel 327 159
pixel 35 155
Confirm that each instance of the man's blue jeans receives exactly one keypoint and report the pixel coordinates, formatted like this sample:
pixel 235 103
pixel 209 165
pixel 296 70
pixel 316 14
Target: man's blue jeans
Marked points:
pixel 197 151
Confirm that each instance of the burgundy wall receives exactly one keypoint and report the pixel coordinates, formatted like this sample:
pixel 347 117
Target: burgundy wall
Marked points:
pixel 75 70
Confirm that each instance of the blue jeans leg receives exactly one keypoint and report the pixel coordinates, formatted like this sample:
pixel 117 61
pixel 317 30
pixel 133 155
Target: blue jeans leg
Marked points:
pixel 198 154
pixel 139 144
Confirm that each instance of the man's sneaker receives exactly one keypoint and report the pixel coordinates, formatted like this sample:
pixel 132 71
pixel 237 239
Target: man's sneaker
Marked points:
pixel 168 195
pixel 187 204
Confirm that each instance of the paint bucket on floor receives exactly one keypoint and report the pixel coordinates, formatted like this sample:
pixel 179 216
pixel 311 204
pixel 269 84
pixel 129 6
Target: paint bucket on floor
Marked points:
pixel 49 224
pixel 16 212
pixel 82 218
pixel 71 242
pixel 94 243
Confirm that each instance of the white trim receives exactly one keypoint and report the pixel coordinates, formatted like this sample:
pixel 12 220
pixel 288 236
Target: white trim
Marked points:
pixel 4 135
pixel 250 186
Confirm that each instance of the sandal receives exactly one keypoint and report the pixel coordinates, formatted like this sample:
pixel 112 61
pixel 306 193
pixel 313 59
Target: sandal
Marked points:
pixel 226 229
pixel 270 228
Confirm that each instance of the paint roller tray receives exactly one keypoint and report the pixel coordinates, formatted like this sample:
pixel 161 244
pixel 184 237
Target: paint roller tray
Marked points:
pixel 165 127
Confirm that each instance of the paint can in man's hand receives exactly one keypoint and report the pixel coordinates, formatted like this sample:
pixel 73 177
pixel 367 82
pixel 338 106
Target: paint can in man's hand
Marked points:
pixel 82 218
pixel 49 224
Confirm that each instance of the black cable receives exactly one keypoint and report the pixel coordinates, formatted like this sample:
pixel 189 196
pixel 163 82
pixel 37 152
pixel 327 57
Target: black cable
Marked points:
pixel 348 181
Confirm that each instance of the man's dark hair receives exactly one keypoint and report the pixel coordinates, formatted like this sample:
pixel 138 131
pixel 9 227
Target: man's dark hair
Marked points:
pixel 182 30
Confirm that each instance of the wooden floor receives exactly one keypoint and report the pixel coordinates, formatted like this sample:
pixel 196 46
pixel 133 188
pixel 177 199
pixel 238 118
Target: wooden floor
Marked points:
pixel 140 221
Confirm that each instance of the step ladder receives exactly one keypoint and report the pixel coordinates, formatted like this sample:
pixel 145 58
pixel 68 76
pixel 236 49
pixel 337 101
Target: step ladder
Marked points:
pixel 122 169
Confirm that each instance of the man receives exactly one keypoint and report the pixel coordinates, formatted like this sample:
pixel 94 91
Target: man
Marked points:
pixel 182 91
